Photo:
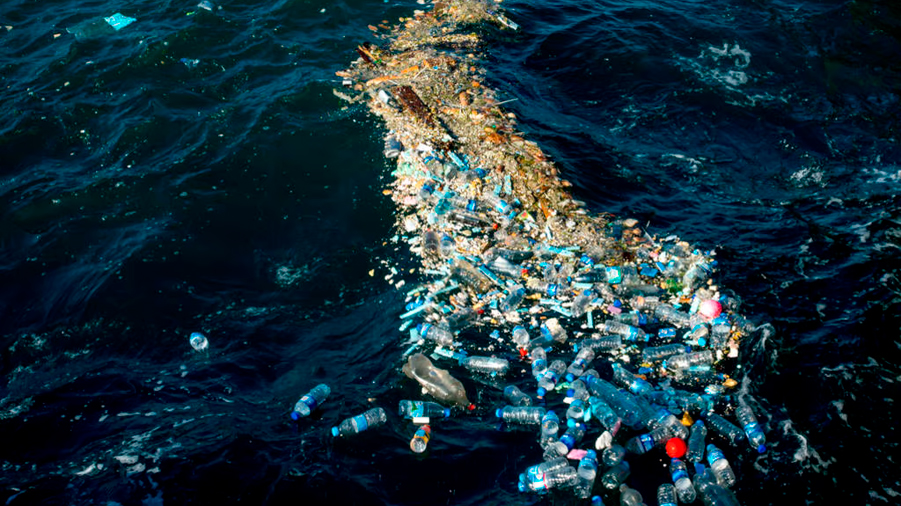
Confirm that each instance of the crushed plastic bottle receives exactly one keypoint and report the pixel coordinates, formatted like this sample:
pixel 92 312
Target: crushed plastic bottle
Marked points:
pixel 310 401
pixel 516 397
pixel 616 475
pixel 523 415
pixel 486 365
pixel 436 382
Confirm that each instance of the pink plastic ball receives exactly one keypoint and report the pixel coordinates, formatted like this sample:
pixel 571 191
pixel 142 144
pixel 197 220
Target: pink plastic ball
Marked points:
pixel 710 309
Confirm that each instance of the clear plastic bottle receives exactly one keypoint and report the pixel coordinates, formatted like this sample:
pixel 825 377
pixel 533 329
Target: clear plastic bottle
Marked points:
pixel 441 336
pixel 658 353
pixel 628 332
pixel 503 266
pixel 436 382
pixel 516 397
pixel 576 410
pixel 666 495
pixel 554 372
pixel 584 357
pixel 422 409
pixel 613 455
pixel 577 389
pixel 575 431
pixel 644 442
pixel 552 331
pixel 748 421
pixel 198 341
pixel 628 496
pixel 605 414
pixel 660 417
pixel 588 466
pixel 430 242
pixel 697 442
pixel 684 488
pixel 555 478
pixel 544 467
pixel 633 383
pixel 421 439
pixel 698 335
pixel 604 343
pixel 524 415
pixel 580 303
pixel 725 428
pixel 616 475
pixel 521 337
pixel 588 470
pixel 550 425
pixel 720 330
pixel 671 315
pixel 486 365
pixel 686 361
pixel 310 401
pixel 447 247
pixel 622 404
pixel 513 299
pixel 539 362
pixel 712 493
pixel 633 318
pixel 720 466
pixel 374 417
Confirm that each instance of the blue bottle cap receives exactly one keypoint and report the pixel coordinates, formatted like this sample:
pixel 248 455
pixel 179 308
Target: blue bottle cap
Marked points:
pixel 499 413
pixel 334 431
pixel 446 412
pixel 699 423
pixel 761 449
pixel 542 392
pixel 296 416
pixel 523 487
pixel 570 377
pixel 570 392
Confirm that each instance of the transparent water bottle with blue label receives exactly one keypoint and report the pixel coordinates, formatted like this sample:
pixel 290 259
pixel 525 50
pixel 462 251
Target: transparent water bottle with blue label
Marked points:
pixel 313 399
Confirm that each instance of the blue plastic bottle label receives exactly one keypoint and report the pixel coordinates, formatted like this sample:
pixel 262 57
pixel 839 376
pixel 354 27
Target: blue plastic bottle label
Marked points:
pixel 360 423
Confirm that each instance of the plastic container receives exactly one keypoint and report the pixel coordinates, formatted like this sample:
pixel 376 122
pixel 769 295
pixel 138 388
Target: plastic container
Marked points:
pixel 516 397
pixel 697 441
pixel 310 401
pixel 524 415
pixel 374 417
pixel 436 382
pixel 421 438
pixel 422 409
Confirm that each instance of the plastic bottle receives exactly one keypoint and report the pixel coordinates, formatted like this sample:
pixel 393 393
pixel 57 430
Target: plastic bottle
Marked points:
pixel 554 478
pixel 577 389
pixel 613 455
pixel 684 488
pixel 629 496
pixel 663 418
pixel 588 470
pixel 516 397
pixel 512 301
pixel 460 319
pixel 748 421
pixel 421 439
pixel 605 414
pixel 666 495
pixel 698 335
pixel 505 267
pixel 580 303
pixel 642 443
pixel 393 147
pixel 422 409
pixel 696 442
pixel 685 361
pixel 584 357
pixel 616 475
pixel 628 332
pixel 485 365
pixel 576 410
pixel 430 242
pixel 539 362
pixel 365 421
pixel 712 493
pixel 199 341
pixel 500 205
pixel 720 466
pixel 552 331
pixel 524 415
pixel 437 382
pixel 695 275
pixel 622 404
pixel 441 336
pixel 521 337
pixel 550 378
pixel 671 315
pixel 447 246
pixel 658 353
pixel 575 431
pixel 604 343
pixel 724 428
pixel 550 425
pixel 310 401
pixel 720 330
pixel 625 378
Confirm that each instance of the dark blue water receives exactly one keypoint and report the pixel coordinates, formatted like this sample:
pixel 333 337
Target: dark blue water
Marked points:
pixel 146 196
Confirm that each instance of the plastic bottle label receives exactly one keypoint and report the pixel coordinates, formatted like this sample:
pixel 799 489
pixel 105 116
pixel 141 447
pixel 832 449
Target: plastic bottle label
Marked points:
pixel 360 423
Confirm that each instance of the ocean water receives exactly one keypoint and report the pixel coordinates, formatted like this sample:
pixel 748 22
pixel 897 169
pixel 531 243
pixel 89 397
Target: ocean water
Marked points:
pixel 194 172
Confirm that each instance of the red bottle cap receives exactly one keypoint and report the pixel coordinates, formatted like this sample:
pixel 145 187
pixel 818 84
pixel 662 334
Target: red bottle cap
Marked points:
pixel 675 448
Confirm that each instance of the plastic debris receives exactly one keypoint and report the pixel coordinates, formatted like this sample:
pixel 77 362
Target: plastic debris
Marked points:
pixel 198 341
pixel 519 279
